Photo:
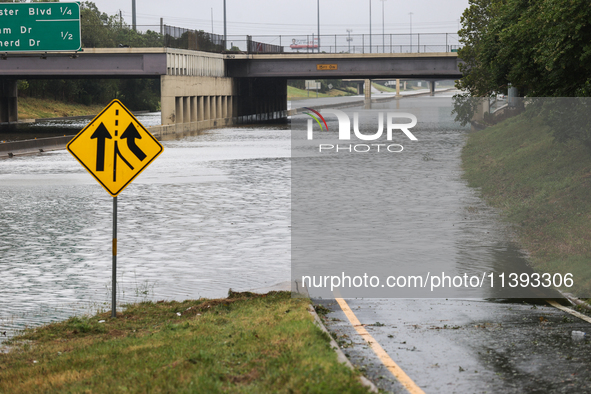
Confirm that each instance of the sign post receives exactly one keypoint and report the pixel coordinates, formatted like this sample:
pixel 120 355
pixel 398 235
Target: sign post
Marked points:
pixel 115 148
pixel 40 27
pixel 114 289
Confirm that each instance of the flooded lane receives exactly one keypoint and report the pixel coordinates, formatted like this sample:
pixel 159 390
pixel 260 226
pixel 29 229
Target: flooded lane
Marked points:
pixel 211 213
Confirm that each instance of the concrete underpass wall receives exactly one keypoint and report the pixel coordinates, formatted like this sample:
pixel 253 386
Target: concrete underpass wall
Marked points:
pixel 198 102
pixel 188 99
pixel 196 94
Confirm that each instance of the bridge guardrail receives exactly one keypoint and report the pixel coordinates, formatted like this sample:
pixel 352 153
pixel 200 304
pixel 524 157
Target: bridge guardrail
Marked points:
pixel 177 37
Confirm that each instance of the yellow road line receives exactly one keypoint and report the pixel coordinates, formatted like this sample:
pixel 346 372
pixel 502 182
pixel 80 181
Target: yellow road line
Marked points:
pixel 568 310
pixel 398 373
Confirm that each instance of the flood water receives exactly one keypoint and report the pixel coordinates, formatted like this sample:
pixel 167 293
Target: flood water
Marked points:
pixel 211 213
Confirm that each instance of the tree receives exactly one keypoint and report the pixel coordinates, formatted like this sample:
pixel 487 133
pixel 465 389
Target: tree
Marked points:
pixel 541 47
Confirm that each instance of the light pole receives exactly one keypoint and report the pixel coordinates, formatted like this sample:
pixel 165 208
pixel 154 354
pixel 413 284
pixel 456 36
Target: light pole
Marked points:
pixel 410 13
pixel 383 35
pixel 349 38
pixel 369 26
pixel 133 20
pixel 225 36
pixel 318 8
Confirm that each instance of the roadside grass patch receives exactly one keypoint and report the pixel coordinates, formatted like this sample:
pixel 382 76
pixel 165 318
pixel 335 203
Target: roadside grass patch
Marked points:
pixel 35 108
pixel 542 187
pixel 246 343
pixel 294 93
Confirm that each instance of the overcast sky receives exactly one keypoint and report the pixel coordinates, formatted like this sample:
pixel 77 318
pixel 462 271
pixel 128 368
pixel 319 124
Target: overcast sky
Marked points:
pixel 262 17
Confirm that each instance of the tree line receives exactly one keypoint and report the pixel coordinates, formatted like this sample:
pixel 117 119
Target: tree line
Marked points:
pixel 541 47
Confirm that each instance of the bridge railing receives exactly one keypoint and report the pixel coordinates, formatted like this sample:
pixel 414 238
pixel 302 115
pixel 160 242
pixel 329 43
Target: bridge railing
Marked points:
pixel 182 38
pixel 178 37
pixel 351 43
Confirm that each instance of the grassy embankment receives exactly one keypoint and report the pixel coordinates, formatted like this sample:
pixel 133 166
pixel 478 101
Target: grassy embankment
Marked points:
pixel 383 88
pixel 543 188
pixel 243 344
pixel 297 94
pixel 34 108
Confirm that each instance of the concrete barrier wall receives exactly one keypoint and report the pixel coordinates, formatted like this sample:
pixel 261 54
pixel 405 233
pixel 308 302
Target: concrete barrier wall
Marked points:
pixel 9 149
pixel 194 63
pixel 162 132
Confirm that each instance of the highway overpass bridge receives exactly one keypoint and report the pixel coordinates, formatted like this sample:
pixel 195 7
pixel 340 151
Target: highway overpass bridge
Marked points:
pixel 203 90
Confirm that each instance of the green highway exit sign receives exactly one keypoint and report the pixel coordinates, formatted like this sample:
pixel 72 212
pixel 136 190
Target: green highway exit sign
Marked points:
pixel 40 27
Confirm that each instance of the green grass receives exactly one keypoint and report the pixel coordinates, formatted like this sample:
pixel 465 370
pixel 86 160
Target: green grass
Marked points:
pixel 543 188
pixel 383 88
pixel 243 344
pixel 34 108
pixel 294 93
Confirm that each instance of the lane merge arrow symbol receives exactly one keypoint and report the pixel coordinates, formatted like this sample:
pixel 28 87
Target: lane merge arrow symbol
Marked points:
pixel 131 134
pixel 101 134
pixel 114 147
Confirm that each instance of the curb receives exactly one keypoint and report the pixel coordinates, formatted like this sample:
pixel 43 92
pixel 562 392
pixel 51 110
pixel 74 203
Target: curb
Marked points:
pixel 340 355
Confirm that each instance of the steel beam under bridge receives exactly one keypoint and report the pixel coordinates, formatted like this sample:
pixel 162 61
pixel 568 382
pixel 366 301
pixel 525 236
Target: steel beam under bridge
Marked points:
pixel 437 66
pixel 99 63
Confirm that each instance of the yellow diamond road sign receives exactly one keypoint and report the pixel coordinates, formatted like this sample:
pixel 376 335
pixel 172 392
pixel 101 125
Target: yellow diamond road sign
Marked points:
pixel 115 147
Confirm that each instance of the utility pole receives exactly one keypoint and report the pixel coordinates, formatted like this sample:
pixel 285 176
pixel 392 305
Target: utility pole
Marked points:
pixel 410 13
pixel 225 36
pixel 349 38
pixel 318 8
pixel 383 35
pixel 369 26
pixel 133 24
pixel 211 20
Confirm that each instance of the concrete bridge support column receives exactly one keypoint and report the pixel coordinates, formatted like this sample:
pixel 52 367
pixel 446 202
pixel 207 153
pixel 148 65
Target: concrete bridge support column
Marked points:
pixel 193 109
pixel 187 99
pixel 432 88
pixel 186 109
pixel 200 109
pixel 178 118
pixel 360 87
pixel 8 101
pixel 213 107
pixel 207 113
pixel 398 88
pixel 367 94
pixel 224 107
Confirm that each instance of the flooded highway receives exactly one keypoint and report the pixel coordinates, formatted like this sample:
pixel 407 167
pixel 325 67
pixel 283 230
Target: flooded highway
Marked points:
pixel 214 212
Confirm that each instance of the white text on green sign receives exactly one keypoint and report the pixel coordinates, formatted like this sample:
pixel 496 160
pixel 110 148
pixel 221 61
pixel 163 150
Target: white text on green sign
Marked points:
pixel 45 27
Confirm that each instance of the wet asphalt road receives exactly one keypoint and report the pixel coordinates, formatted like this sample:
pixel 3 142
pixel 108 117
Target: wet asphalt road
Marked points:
pixel 467 346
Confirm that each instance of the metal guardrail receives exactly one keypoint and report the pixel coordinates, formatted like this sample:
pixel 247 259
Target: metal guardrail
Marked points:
pixel 349 43
pixel 178 37
pixel 259 47
pixel 182 38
